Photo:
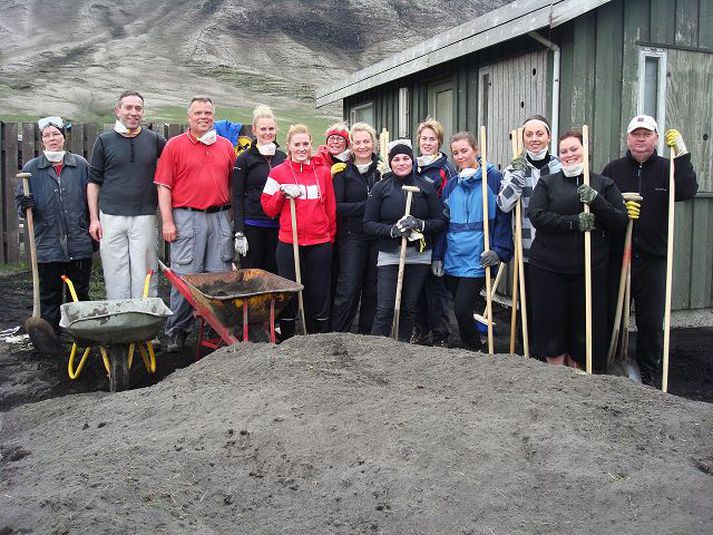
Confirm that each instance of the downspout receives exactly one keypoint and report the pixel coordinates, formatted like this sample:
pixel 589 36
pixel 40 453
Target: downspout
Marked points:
pixel 555 117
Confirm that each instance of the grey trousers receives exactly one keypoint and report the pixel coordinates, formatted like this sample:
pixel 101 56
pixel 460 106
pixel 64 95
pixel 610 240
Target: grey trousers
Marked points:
pixel 204 245
pixel 128 251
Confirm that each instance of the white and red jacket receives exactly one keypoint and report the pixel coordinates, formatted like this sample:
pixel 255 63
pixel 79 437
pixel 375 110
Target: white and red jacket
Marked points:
pixel 315 208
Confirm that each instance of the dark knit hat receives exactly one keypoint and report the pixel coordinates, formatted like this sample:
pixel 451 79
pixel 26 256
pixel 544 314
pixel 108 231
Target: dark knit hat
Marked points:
pixel 400 148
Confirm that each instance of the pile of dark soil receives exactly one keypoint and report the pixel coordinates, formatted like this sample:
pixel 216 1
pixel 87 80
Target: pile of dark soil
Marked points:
pixel 348 434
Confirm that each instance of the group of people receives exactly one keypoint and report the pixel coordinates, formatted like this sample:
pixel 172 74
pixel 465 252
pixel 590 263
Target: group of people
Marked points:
pixel 352 213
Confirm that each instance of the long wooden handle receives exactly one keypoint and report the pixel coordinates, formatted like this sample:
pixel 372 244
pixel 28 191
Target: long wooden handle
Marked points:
pixel 298 271
pixel 587 258
pixel 25 177
pixel 486 236
pixel 516 270
pixel 400 276
pixel 669 271
pixel 616 329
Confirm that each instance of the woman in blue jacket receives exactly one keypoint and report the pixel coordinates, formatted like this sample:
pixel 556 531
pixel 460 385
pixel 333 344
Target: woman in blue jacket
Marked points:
pixel 462 253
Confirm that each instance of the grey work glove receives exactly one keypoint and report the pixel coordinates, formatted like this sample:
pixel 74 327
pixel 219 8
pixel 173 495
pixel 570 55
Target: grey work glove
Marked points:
pixel 396 231
pixel 489 258
pixel 437 268
pixel 241 244
pixel 291 191
pixel 586 193
pixel 410 222
pixel 585 221
pixel 519 164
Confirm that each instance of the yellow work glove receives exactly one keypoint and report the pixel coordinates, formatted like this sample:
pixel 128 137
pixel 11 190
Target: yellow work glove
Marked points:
pixel 338 168
pixel 675 141
pixel 633 209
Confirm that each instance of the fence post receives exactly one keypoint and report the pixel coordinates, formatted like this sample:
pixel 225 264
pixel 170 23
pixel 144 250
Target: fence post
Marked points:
pixel 9 224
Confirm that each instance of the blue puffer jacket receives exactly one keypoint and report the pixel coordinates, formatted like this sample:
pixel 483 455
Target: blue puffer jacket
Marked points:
pixel 460 250
pixel 439 173
pixel 61 215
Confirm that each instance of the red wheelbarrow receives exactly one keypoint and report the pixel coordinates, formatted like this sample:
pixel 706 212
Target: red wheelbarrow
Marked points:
pixel 247 297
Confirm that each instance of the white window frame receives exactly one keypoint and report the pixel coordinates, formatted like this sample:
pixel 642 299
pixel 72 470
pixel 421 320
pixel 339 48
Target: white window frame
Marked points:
pixel 354 109
pixel 660 53
pixel 404 113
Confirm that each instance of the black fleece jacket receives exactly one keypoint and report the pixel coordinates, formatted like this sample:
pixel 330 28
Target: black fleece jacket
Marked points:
pixel 351 189
pixel 249 177
pixel 650 180
pixel 553 210
pixel 387 204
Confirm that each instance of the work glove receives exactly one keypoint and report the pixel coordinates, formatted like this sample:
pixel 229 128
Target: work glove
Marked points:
pixel 410 222
pixel 338 168
pixel 241 244
pixel 291 191
pixel 519 164
pixel 586 193
pixel 396 231
pixel 633 209
pixel 489 258
pixel 675 141
pixel 437 268
pixel 383 167
pixel 27 202
pixel 585 221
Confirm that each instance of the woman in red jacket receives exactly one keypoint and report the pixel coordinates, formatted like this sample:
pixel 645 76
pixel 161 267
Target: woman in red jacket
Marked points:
pixel 310 186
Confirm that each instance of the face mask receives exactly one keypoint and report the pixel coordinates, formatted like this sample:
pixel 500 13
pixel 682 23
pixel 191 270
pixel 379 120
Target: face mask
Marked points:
pixel 428 159
pixel 268 149
pixel 537 156
pixel 363 167
pixel 119 127
pixel 574 170
pixel 467 172
pixel 343 156
pixel 54 156
pixel 208 138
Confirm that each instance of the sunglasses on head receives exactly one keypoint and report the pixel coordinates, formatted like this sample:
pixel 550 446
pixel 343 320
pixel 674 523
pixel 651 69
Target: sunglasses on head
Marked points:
pixel 57 122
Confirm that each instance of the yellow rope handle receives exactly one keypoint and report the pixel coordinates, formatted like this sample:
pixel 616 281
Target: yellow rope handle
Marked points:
pixel 74 373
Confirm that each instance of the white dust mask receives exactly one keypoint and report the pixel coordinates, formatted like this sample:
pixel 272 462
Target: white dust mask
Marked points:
pixel 427 159
pixel 54 156
pixel 208 138
pixel 537 156
pixel 467 172
pixel 363 167
pixel 573 170
pixel 119 127
pixel 343 156
pixel 268 149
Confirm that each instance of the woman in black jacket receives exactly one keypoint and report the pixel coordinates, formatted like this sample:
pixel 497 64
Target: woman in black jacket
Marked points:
pixel 384 218
pixel 356 250
pixel 557 290
pixel 255 232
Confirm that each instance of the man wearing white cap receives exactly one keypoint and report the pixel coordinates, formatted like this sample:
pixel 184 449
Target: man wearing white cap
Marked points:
pixel 643 171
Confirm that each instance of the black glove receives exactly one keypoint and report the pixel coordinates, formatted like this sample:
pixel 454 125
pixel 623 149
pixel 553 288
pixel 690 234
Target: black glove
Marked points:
pixel 396 231
pixel 410 222
pixel 27 201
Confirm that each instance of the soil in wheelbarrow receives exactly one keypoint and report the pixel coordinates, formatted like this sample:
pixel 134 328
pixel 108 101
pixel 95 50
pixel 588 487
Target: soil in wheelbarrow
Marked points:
pixel 346 434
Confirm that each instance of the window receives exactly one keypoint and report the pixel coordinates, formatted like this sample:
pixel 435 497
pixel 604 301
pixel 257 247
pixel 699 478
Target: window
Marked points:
pixel 363 113
pixel 652 87
pixel 404 113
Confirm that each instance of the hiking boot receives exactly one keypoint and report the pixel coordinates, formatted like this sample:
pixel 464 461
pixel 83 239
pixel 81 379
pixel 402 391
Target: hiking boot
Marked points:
pixel 421 339
pixel 441 342
pixel 176 342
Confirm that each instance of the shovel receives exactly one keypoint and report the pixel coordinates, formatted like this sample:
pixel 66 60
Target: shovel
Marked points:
pixel 41 333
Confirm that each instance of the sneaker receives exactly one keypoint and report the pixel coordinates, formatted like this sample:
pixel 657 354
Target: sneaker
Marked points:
pixel 421 339
pixel 176 342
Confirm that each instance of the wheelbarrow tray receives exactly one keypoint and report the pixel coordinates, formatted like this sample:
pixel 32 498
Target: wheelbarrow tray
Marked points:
pixel 120 321
pixel 225 294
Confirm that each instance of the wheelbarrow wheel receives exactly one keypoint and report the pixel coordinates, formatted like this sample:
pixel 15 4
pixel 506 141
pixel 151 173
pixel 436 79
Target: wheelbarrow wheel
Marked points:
pixel 119 369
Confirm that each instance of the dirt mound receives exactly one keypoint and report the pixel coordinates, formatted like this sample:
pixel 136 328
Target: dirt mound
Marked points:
pixel 351 434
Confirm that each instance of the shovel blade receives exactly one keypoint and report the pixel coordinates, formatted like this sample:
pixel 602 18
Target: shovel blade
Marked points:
pixel 42 336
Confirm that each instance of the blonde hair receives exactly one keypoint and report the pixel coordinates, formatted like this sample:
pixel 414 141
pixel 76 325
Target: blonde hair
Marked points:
pixel 262 112
pixel 363 127
pixel 434 125
pixel 464 135
pixel 297 129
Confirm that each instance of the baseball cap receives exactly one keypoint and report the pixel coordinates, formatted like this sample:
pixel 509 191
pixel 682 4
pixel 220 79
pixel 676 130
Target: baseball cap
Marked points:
pixel 642 121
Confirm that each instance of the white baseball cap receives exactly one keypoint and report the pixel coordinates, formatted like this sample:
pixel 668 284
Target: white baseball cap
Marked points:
pixel 642 121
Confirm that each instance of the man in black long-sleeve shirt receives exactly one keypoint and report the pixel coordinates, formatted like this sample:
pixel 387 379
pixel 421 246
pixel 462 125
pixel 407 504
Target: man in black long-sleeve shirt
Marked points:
pixel 122 200
pixel 643 171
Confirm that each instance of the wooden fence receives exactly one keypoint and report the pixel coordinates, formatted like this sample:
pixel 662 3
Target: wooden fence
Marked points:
pixel 20 142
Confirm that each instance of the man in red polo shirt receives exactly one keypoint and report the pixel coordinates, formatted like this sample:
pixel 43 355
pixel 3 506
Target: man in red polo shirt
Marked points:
pixel 192 177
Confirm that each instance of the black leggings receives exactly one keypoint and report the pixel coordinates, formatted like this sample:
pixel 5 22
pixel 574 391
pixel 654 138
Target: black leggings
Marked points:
pixel 52 288
pixel 262 243
pixel 356 285
pixel 466 296
pixel 414 276
pixel 315 261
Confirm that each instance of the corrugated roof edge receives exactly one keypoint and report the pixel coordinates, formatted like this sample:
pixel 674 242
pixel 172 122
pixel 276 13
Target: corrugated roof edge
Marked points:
pixel 507 22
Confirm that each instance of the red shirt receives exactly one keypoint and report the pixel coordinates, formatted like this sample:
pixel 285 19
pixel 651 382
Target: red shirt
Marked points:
pixel 197 174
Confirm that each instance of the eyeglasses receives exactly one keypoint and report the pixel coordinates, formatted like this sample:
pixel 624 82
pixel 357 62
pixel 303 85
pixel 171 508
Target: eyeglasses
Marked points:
pixel 50 121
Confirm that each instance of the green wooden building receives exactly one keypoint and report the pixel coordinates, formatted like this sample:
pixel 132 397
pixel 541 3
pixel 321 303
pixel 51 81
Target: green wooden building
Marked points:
pixel 594 62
